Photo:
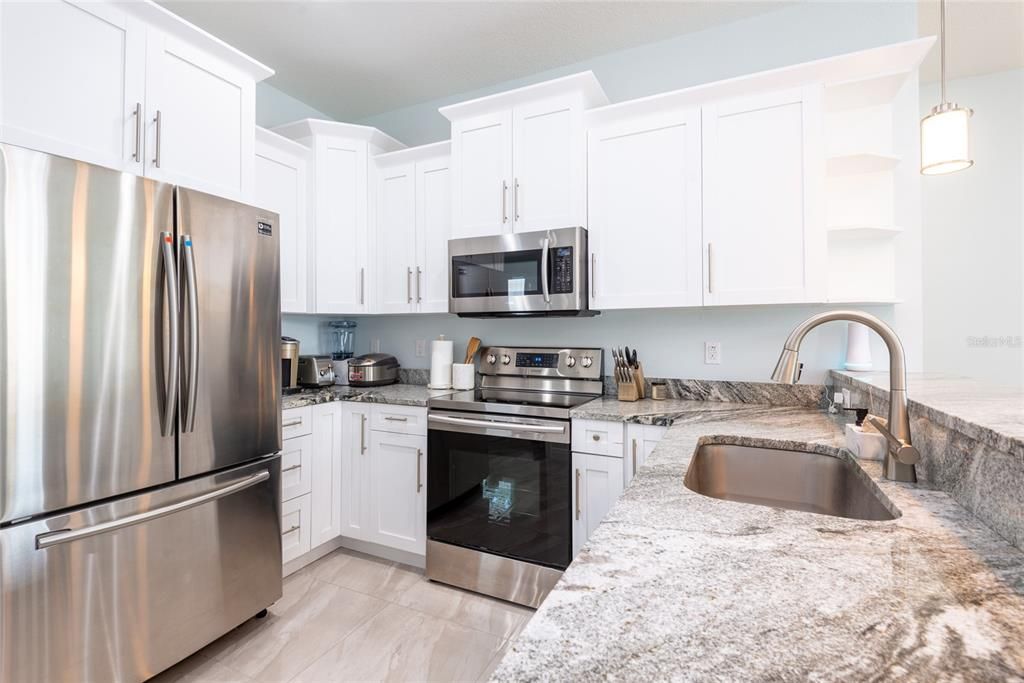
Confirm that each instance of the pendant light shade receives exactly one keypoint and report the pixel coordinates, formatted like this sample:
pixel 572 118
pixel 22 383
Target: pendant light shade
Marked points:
pixel 945 144
pixel 945 135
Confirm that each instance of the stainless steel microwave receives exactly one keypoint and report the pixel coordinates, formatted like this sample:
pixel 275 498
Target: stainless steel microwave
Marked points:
pixel 519 274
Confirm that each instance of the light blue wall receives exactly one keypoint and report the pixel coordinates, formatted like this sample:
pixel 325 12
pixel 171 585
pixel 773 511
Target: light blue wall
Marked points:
pixel 794 34
pixel 670 341
pixel 274 107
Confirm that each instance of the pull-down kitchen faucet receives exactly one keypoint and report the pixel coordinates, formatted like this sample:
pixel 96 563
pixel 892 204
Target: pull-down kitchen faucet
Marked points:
pixel 901 455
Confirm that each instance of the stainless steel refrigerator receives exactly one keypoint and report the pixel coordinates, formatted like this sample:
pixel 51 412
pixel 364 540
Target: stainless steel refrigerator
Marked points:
pixel 139 419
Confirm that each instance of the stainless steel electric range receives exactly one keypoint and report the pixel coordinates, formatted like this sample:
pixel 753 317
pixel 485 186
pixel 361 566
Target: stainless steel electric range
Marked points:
pixel 499 472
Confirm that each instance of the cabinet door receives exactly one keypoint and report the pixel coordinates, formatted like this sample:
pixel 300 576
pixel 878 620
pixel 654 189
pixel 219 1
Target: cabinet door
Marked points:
pixel 325 515
pixel 398 491
pixel 433 230
pixel 355 471
pixel 764 237
pixel 640 442
pixel 280 181
pixel 341 226
pixel 296 467
pixel 645 212
pixel 205 135
pixel 598 482
pixel 72 76
pixel 396 239
pixel 549 165
pixel 295 528
pixel 482 175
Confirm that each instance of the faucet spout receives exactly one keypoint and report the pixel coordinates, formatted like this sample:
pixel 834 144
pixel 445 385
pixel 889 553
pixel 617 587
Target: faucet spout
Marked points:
pixel 787 370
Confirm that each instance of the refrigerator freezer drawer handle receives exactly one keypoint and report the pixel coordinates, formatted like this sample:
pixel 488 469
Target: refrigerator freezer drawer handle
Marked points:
pixel 48 540
pixel 192 383
pixel 171 283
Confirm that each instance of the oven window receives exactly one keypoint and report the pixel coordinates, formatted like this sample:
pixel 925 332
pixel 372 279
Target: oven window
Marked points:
pixel 510 273
pixel 511 497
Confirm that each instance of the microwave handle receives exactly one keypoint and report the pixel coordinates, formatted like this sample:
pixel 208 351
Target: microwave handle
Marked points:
pixel 545 244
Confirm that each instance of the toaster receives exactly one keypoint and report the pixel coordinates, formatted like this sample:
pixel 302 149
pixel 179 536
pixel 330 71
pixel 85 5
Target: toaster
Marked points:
pixel 315 371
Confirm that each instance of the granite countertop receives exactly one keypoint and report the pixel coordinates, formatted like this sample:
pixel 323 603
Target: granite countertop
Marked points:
pixel 677 585
pixel 393 394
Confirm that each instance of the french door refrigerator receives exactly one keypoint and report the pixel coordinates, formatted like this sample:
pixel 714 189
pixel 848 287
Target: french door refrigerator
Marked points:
pixel 139 420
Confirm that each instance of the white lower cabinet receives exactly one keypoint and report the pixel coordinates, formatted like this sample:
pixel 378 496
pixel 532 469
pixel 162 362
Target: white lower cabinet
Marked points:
pixel 640 442
pixel 296 467
pixel 384 476
pixel 597 484
pixel 325 513
pixel 295 528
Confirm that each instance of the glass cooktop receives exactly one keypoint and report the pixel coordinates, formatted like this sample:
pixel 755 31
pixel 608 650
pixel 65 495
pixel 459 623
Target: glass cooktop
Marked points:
pixel 512 402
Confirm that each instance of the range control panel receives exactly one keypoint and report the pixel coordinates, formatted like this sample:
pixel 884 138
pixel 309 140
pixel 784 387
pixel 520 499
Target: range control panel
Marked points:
pixel 545 362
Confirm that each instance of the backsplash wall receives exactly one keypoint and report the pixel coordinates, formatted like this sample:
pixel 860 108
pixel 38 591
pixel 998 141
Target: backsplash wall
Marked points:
pixel 670 342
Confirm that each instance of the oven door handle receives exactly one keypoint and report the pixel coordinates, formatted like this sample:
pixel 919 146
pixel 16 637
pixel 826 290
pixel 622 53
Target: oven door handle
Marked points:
pixel 544 286
pixel 511 426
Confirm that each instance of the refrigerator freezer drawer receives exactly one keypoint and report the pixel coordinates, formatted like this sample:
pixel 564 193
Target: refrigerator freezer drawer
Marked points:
pixel 121 591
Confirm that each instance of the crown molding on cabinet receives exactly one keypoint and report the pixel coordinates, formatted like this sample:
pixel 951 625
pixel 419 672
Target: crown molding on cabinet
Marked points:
pixel 414 154
pixel 585 83
pixel 305 128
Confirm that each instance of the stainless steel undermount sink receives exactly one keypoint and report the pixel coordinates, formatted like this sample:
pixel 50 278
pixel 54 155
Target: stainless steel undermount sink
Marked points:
pixel 794 480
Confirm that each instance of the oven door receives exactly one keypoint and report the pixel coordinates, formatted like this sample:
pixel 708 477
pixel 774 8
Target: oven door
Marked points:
pixel 530 273
pixel 501 485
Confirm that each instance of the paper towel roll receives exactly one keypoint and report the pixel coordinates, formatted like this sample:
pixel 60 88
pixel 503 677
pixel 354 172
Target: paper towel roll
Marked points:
pixel 441 354
pixel 858 348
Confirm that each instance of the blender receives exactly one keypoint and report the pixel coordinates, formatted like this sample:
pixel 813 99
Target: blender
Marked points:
pixel 339 342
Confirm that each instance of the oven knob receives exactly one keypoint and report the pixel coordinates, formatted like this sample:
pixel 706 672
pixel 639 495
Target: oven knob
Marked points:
pixel 492 359
pixel 587 361
pixel 505 360
pixel 571 361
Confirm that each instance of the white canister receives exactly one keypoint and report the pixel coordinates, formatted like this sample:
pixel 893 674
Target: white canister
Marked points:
pixel 858 348
pixel 441 354
pixel 463 376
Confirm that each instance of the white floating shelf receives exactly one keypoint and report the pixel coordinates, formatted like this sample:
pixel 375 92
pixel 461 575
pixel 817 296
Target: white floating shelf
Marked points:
pixel 863 231
pixel 865 92
pixel 868 162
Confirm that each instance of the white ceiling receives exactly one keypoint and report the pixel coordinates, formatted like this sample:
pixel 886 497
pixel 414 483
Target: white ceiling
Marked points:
pixel 982 36
pixel 354 59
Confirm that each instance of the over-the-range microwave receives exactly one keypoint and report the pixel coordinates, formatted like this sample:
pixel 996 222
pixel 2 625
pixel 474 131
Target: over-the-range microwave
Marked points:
pixel 541 273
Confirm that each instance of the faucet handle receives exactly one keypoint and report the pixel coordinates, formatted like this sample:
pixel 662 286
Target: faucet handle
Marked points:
pixel 901 450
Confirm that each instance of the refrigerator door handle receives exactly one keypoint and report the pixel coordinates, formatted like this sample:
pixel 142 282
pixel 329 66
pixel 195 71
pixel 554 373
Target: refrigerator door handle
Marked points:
pixel 192 293
pixel 171 285
pixel 50 539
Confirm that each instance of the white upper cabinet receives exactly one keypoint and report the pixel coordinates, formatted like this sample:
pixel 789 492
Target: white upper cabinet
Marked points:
pixel 519 157
pixel 280 186
pixel 72 77
pixel 412 227
pixel 201 119
pixel 340 209
pixel 764 237
pixel 645 211
pixel 87 80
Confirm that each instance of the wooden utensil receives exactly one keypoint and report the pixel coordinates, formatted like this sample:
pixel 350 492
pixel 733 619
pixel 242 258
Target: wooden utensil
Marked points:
pixel 471 348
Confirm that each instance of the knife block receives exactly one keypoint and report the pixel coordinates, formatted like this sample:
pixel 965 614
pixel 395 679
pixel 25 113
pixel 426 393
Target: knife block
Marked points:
pixel 633 390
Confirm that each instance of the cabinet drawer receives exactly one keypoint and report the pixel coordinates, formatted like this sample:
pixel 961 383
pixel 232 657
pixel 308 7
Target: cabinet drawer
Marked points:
pixel 398 419
pixel 296 422
pixel 598 437
pixel 296 467
pixel 295 528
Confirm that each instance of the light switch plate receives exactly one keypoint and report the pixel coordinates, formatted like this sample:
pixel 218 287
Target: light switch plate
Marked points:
pixel 421 348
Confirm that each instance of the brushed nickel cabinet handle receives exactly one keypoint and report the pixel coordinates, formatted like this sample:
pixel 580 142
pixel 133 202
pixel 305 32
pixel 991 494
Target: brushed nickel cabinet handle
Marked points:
pixel 291 468
pixel 596 437
pixel 593 276
pixel 362 433
pixel 362 286
pixel 158 120
pixel 634 457
pixel 137 154
pixel 419 467
pixel 419 284
pixel 292 423
pixel 504 201
pixel 408 285
pixel 577 495
pixel 515 199
pixel 291 529
pixel 390 418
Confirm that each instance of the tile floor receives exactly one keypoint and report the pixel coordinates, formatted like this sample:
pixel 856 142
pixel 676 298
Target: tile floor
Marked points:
pixel 352 617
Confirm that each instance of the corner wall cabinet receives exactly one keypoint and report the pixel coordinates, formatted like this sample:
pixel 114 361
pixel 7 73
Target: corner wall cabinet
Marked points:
pixel 340 199
pixel 412 226
pixel 115 84
pixel 519 157
pixel 280 180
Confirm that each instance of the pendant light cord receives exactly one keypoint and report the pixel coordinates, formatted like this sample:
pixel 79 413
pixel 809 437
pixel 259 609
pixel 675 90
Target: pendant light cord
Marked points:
pixel 942 47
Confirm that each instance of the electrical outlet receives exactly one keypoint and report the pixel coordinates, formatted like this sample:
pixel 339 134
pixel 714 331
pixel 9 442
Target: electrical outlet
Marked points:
pixel 847 401
pixel 712 353
pixel 839 399
pixel 375 345
pixel 421 348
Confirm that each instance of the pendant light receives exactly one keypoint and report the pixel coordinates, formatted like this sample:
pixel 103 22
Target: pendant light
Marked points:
pixel 944 133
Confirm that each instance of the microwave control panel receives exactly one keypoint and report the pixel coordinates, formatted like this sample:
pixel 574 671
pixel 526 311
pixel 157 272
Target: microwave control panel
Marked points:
pixel 562 271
